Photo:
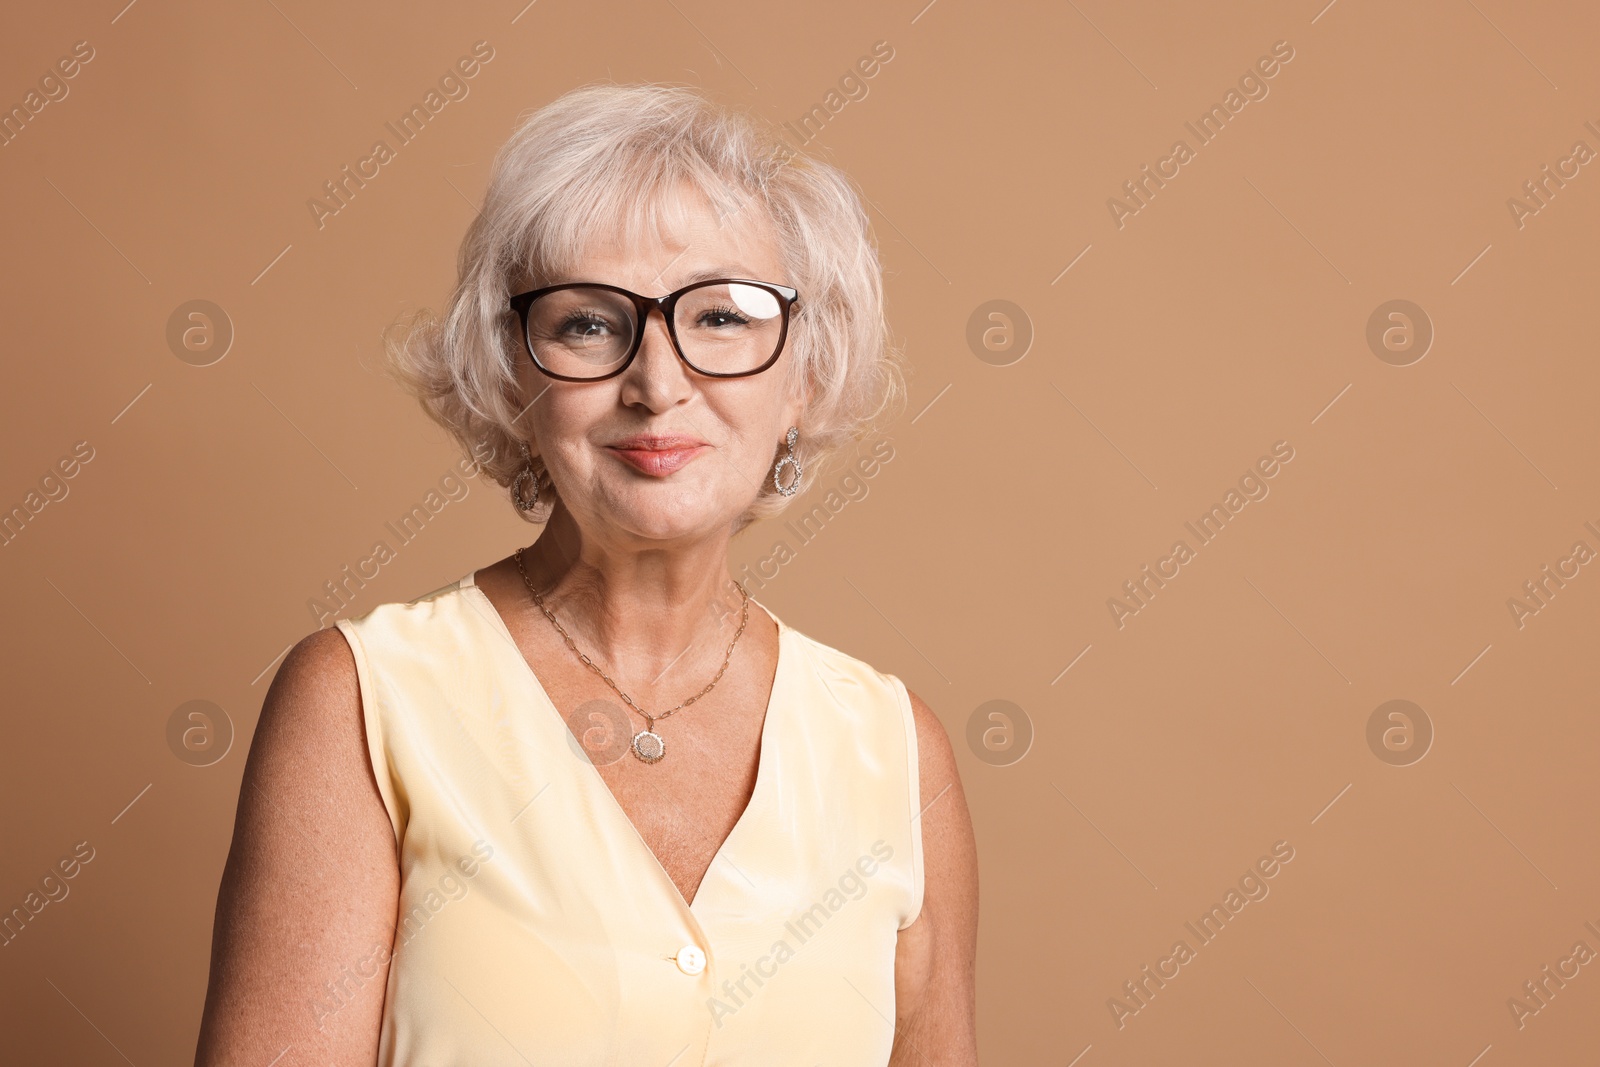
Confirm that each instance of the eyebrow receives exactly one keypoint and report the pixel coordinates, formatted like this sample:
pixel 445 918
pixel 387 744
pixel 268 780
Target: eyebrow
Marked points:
pixel 723 271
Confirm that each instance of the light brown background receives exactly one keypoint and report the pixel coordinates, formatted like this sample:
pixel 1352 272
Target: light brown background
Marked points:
pixel 1229 314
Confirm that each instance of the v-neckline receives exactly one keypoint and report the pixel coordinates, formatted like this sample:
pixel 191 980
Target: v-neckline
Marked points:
pixel 597 782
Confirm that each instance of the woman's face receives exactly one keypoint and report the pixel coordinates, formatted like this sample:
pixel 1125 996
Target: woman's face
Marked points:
pixel 733 425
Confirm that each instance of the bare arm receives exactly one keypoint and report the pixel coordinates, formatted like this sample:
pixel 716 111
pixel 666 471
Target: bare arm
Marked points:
pixel 306 911
pixel 936 958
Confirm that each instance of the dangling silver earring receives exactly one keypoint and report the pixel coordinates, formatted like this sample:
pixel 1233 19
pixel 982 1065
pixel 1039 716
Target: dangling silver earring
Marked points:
pixel 794 486
pixel 525 474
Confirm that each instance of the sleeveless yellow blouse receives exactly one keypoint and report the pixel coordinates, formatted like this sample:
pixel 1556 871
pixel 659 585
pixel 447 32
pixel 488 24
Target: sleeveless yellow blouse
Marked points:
pixel 536 926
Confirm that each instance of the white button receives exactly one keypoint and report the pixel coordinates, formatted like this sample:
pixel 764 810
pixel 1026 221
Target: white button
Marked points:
pixel 691 960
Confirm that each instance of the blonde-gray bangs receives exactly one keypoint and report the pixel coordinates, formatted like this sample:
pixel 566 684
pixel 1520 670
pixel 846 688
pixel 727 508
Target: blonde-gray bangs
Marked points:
pixel 611 163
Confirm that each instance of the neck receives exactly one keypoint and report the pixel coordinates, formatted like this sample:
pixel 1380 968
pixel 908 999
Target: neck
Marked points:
pixel 655 617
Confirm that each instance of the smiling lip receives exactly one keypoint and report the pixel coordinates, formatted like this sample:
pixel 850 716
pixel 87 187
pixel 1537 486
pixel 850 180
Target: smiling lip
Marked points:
pixel 657 455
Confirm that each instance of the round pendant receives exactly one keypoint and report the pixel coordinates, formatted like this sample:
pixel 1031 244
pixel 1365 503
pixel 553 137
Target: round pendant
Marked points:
pixel 648 746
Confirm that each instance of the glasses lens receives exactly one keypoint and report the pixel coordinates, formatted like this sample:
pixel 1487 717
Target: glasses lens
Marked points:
pixel 580 332
pixel 728 328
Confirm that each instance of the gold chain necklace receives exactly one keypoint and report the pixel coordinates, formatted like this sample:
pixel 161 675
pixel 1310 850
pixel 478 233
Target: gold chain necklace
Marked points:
pixel 648 745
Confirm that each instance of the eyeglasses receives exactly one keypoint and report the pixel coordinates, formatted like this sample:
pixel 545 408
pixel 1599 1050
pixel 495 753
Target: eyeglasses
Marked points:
pixel 722 328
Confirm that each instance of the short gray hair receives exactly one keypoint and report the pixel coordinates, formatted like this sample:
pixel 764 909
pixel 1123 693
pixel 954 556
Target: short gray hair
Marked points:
pixel 617 153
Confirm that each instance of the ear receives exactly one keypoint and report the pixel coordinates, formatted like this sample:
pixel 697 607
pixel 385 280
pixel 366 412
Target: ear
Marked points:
pixel 523 383
pixel 521 426
pixel 795 409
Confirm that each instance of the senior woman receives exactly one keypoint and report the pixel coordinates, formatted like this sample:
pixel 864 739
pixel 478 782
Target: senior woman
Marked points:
pixel 593 803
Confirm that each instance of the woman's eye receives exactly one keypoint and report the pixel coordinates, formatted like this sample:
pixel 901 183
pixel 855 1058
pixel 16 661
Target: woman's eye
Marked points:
pixel 722 317
pixel 585 326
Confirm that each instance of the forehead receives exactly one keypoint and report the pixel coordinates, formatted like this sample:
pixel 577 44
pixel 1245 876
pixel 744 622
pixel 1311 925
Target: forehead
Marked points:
pixel 686 238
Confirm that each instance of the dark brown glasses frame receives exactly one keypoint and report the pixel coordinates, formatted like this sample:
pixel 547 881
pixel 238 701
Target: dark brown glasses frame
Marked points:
pixel 788 300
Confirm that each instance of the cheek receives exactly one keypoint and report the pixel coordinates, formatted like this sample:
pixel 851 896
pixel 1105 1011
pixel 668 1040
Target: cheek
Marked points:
pixel 751 427
pixel 562 420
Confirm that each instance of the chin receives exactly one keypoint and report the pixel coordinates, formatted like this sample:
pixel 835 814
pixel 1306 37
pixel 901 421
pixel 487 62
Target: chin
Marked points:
pixel 663 511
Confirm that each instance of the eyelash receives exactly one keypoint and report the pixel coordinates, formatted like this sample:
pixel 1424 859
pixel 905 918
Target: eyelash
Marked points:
pixel 727 313
pixel 585 318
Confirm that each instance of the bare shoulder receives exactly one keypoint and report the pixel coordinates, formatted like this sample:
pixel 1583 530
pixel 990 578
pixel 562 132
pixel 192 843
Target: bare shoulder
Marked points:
pixel 312 878
pixel 316 689
pixel 936 758
pixel 321 656
pixel 310 742
pixel 936 959
pixel 949 848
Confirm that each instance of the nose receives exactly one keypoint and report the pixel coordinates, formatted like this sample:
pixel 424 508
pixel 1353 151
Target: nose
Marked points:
pixel 657 378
